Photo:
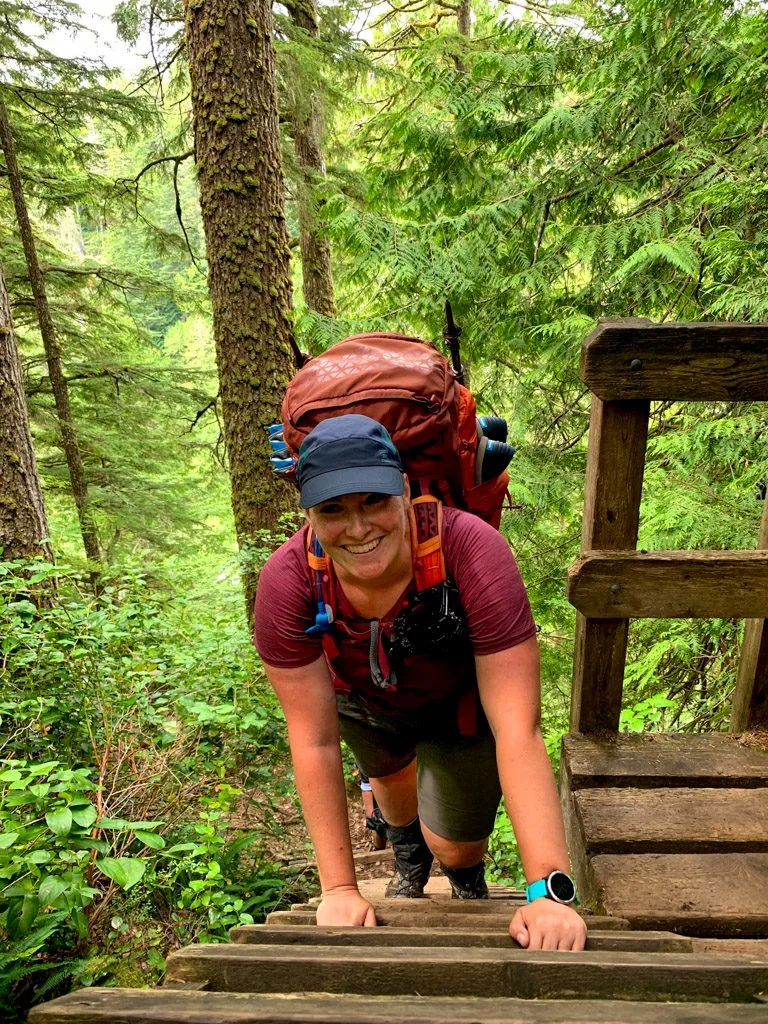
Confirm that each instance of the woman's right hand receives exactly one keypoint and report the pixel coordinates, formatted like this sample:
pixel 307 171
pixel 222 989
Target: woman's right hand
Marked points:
pixel 345 907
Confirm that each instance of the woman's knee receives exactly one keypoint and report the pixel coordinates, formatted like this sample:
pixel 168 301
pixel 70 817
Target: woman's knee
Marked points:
pixel 396 795
pixel 452 853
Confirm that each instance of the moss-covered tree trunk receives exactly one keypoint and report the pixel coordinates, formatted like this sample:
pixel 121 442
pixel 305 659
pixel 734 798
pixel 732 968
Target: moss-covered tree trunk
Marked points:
pixel 237 148
pixel 464 17
pixel 52 352
pixel 315 248
pixel 23 525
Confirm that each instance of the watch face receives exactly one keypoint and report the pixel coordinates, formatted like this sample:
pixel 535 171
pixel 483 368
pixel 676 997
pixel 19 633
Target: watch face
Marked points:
pixel 561 886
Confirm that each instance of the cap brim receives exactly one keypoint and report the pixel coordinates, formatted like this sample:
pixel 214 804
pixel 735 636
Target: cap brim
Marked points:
pixel 354 480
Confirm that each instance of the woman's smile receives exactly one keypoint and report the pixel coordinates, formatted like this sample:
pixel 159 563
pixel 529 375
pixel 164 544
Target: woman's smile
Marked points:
pixel 365 535
pixel 363 549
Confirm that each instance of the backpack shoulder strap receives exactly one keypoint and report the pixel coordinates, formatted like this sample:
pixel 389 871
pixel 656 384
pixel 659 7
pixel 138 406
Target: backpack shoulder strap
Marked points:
pixel 323 585
pixel 426 519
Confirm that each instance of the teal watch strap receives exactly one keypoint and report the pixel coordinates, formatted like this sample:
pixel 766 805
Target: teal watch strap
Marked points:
pixel 536 890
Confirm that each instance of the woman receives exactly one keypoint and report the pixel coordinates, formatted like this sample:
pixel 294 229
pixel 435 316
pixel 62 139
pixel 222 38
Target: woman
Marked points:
pixel 401 705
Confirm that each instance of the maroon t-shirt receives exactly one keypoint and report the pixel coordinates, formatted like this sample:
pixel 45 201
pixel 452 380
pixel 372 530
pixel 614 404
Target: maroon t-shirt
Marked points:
pixel 492 595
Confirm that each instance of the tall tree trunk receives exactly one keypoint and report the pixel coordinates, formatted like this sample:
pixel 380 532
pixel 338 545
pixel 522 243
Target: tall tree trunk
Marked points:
pixel 23 525
pixel 52 351
pixel 464 17
pixel 237 141
pixel 315 248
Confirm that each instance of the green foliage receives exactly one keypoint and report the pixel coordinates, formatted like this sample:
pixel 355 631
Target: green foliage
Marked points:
pixel 135 725
pixel 505 867
pixel 560 164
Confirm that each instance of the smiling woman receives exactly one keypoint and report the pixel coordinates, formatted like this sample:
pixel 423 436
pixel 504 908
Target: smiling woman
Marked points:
pixel 405 630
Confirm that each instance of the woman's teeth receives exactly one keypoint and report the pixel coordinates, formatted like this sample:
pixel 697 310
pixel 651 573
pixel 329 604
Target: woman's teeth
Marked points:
pixel 363 549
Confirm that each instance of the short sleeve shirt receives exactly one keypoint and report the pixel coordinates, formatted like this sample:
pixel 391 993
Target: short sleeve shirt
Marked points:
pixel 492 595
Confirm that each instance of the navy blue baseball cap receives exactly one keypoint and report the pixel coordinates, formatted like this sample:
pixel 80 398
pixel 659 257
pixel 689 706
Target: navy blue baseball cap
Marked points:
pixel 347 455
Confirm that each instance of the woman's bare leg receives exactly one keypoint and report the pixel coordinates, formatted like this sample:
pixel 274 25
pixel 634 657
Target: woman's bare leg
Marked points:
pixel 396 795
pixel 453 854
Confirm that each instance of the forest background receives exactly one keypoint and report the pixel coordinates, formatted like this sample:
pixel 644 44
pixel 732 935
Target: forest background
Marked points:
pixel 540 165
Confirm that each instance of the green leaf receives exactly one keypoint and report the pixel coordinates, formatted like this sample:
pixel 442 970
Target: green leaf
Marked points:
pixel 124 871
pixel 40 857
pixel 151 839
pixel 21 916
pixel 85 816
pixel 10 775
pixel 60 821
pixel 182 848
pixel 8 839
pixel 155 959
pixel 50 889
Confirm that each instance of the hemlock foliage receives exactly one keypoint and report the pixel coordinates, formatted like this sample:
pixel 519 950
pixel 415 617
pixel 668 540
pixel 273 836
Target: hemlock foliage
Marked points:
pixel 562 163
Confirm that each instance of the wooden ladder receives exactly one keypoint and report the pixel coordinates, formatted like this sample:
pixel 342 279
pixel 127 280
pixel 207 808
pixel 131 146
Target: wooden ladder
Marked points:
pixel 432 961
pixel 664 828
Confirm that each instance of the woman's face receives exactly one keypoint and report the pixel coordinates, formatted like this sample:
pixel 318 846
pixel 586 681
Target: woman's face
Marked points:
pixel 365 535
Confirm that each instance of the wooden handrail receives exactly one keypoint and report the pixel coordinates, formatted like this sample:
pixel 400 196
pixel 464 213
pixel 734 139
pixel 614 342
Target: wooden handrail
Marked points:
pixel 626 365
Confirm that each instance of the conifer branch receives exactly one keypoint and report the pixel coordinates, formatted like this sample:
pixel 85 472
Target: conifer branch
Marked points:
pixel 179 216
pixel 201 412
pixel 176 158
pixel 159 72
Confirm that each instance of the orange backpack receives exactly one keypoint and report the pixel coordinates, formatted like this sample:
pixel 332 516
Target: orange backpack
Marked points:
pixel 408 386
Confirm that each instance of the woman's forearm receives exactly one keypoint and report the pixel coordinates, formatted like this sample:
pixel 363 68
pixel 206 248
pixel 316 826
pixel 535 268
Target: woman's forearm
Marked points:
pixel 530 794
pixel 320 784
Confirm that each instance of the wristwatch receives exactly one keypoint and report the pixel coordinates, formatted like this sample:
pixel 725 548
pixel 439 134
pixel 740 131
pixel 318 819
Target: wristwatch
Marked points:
pixel 556 886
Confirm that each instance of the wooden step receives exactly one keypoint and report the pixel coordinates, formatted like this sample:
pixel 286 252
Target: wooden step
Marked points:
pixel 699 894
pixel 259 934
pixel 469 972
pixel 132 1006
pixel 432 916
pixel 631 820
pixel 438 889
pixel 467 908
pixel 663 760
pixel 670 830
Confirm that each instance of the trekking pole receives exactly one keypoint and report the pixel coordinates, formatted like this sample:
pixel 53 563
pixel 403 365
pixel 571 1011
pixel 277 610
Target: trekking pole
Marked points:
pixel 451 335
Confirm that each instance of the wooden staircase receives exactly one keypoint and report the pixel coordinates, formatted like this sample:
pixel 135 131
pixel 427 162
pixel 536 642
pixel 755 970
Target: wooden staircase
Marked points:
pixel 666 830
pixel 669 834
pixel 670 830
pixel 433 961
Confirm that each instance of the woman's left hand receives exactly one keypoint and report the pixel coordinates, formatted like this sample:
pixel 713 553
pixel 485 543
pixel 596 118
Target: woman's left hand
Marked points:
pixel 545 924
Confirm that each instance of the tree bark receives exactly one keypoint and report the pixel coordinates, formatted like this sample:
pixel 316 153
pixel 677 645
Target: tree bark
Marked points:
pixel 23 524
pixel 464 17
pixel 315 248
pixel 52 351
pixel 237 144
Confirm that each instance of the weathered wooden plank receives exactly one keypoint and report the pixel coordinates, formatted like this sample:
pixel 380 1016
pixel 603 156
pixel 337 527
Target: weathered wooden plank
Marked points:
pixel 434 919
pixel 628 941
pixel 464 908
pixel 715 894
pixel 751 949
pixel 469 972
pixel 750 695
pixel 131 1006
pixel 677 362
pixel 663 759
pixel 614 481
pixel 574 837
pixel 670 584
pixel 690 820
pixel 599 657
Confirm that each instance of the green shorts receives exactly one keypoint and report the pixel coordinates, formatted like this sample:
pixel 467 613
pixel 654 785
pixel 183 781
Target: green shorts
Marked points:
pixel 457 778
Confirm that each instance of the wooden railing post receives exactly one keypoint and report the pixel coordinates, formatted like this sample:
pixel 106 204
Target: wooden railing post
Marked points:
pixel 618 433
pixel 750 696
pixel 626 365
